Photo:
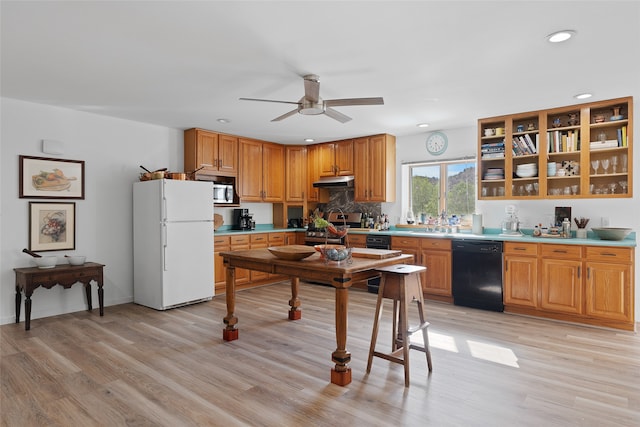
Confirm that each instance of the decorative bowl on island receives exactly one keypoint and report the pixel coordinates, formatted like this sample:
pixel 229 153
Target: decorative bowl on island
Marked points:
pixel 611 233
pixel 292 252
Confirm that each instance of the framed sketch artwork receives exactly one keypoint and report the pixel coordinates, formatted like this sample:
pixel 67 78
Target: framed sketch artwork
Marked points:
pixel 46 178
pixel 52 226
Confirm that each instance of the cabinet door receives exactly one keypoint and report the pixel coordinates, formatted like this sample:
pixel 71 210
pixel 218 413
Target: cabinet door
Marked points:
pixel 378 169
pixel 272 173
pixel 344 157
pixel 520 281
pixel 561 285
pixel 357 240
pixel 327 159
pixel 296 173
pixel 259 241
pixel 240 242
pixel 313 172
pixel 220 244
pixel 361 169
pixel 608 291
pixel 207 150
pixel 437 279
pixel 250 171
pixel 227 154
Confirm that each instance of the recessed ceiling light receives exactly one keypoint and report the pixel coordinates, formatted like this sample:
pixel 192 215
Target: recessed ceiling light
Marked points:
pixel 309 140
pixel 583 96
pixel 560 36
pixel 423 125
pixel 224 121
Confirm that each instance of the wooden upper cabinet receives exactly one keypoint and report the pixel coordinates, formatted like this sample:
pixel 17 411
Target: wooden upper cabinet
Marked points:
pixel 216 154
pixel 261 171
pixel 273 172
pixel 336 158
pixel 313 171
pixel 227 154
pixel 250 180
pixel 374 168
pixel 296 173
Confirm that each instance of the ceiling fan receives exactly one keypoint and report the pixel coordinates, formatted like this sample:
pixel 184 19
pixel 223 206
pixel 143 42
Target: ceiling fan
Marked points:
pixel 312 104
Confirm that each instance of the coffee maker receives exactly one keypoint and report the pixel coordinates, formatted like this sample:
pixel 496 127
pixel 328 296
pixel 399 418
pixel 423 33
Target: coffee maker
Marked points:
pixel 243 220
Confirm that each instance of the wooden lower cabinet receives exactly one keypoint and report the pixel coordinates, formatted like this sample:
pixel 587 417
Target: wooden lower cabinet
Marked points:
pixel 583 284
pixel 435 254
pixel 520 276
pixel 357 240
pixel 220 244
pixel 246 278
pixel 609 284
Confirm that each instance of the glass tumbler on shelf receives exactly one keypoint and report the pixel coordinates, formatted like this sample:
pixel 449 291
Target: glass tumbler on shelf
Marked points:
pixel 612 187
pixel 623 185
pixel 614 164
pixel 623 161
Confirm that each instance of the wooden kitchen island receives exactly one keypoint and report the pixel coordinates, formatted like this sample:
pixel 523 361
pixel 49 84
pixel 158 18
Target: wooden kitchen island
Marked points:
pixel 340 276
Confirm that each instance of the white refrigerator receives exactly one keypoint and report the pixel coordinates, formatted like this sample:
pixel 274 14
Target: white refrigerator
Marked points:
pixel 172 243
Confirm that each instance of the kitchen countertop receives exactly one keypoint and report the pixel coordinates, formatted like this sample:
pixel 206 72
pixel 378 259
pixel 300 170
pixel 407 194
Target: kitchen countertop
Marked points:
pixel 489 234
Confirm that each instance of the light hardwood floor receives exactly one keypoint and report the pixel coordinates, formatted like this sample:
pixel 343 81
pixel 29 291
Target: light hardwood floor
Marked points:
pixel 140 367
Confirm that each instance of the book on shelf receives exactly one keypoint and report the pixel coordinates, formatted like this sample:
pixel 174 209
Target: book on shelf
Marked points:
pixel 609 143
pixel 625 143
pixel 563 141
pixel 533 147
pixel 495 155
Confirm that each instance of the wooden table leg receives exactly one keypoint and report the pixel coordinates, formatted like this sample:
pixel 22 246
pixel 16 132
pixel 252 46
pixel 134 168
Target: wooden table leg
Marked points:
pixel 341 374
pixel 230 333
pixel 87 290
pixel 18 303
pixel 27 311
pixel 295 313
pixel 101 295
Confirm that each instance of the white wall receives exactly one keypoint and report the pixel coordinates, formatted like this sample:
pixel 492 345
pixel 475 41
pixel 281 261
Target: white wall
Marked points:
pixel 112 150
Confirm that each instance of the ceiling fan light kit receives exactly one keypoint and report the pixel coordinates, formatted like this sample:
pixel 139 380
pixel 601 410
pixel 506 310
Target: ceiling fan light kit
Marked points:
pixel 311 104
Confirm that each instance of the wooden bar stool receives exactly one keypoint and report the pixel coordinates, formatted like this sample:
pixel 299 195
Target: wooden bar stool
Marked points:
pixel 401 283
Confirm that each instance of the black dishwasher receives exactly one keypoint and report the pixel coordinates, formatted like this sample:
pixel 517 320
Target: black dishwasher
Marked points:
pixel 477 274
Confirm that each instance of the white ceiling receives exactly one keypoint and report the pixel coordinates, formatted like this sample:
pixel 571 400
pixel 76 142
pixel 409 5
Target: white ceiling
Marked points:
pixel 185 64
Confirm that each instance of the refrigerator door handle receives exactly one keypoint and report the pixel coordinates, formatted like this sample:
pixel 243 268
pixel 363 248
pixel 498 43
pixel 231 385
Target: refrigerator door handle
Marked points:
pixel 164 246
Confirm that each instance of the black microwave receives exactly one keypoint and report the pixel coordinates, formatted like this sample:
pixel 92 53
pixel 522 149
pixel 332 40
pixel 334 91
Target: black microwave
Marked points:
pixel 222 193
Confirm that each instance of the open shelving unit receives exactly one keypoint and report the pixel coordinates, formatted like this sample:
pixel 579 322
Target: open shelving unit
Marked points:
pixel 590 144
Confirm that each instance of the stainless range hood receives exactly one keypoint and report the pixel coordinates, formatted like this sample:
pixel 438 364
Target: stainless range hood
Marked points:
pixel 334 181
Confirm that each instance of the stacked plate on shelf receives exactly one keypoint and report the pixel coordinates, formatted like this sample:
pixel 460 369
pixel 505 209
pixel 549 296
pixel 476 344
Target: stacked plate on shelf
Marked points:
pixel 527 170
pixel 494 173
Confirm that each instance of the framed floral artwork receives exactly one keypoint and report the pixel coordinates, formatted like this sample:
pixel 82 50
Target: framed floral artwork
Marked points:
pixel 45 178
pixel 52 226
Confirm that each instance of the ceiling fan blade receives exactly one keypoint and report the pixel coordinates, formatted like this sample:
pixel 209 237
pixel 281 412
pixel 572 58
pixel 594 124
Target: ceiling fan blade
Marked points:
pixel 336 115
pixel 285 115
pixel 311 87
pixel 269 100
pixel 353 101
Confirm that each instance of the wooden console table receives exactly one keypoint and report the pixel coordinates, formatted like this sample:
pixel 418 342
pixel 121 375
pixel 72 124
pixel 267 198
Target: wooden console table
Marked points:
pixel 341 277
pixel 30 278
